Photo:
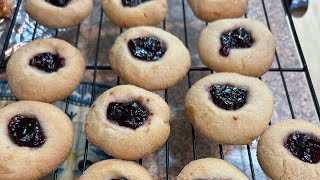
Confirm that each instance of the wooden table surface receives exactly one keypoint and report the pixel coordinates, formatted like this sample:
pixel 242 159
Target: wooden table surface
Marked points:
pixel 308 29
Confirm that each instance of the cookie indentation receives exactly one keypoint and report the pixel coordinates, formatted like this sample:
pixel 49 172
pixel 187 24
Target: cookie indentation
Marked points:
pixel 47 62
pixel 238 38
pixel 132 3
pixel 306 147
pixel 147 48
pixel 228 97
pixel 129 114
pixel 120 179
pixel 26 131
pixel 59 3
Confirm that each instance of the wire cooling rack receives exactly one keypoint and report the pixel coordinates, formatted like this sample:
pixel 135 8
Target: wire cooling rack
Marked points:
pixel 289 79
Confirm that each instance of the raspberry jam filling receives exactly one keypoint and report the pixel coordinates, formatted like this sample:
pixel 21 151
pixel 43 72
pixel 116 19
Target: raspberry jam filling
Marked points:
pixel 304 146
pixel 147 48
pixel 129 114
pixel 238 38
pixel 26 131
pixel 228 97
pixel 120 179
pixel 59 3
pixel 47 62
pixel 132 3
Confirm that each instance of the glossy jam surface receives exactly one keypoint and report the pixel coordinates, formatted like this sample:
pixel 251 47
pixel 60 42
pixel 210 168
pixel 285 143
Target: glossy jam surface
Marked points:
pixel 26 131
pixel 59 3
pixel 228 97
pixel 147 48
pixel 238 38
pixel 47 62
pixel 132 3
pixel 306 147
pixel 129 114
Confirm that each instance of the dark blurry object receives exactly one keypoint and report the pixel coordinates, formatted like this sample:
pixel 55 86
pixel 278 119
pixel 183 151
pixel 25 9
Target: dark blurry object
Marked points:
pixel 6 8
pixel 298 7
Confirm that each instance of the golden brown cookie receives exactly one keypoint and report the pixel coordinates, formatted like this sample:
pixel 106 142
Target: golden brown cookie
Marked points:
pixel 229 108
pixel 243 46
pixel 150 58
pixel 116 169
pixel 59 13
pixel 210 169
pixel 6 7
pixel 211 10
pixel 131 13
pixel 290 149
pixel 128 122
pixel 45 70
pixel 36 138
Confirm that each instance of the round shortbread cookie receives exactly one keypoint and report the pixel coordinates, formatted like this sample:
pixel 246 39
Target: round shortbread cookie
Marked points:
pixel 116 169
pixel 210 168
pixel 150 58
pixel 45 70
pixel 242 46
pixel 128 13
pixel 36 138
pixel 211 10
pixel 229 108
pixel 290 149
pixel 128 122
pixel 59 13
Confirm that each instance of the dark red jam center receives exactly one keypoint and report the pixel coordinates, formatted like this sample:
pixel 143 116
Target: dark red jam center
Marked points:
pixel 238 38
pixel 132 3
pixel 120 179
pixel 228 97
pixel 306 147
pixel 147 48
pixel 129 114
pixel 47 62
pixel 59 3
pixel 26 131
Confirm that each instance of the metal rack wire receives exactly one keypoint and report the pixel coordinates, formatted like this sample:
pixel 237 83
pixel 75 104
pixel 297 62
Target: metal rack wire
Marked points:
pixel 97 67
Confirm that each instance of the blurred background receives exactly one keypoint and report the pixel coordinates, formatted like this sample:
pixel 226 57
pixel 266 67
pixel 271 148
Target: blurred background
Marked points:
pixel 308 27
